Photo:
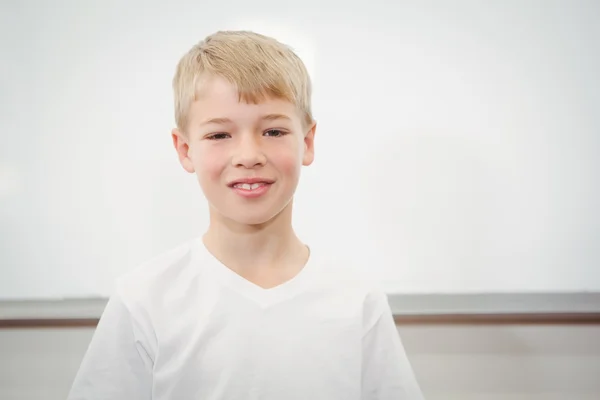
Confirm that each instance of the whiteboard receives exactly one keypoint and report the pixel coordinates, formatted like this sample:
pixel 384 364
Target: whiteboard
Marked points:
pixel 456 150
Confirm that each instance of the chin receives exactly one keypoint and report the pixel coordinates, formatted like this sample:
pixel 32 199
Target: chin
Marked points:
pixel 254 215
pixel 250 214
pixel 255 218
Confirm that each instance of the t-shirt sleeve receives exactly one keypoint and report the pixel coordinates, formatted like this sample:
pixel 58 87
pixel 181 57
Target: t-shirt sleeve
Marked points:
pixel 116 365
pixel 387 373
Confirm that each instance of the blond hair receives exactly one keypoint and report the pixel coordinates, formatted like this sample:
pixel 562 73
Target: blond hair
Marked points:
pixel 258 66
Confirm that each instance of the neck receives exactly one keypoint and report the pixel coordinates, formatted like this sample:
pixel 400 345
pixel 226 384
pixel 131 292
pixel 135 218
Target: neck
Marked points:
pixel 249 248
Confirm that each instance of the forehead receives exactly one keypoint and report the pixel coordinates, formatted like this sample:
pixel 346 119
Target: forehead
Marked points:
pixel 217 98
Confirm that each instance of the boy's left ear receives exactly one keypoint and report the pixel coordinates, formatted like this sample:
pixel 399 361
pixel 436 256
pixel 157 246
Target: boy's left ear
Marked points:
pixel 309 145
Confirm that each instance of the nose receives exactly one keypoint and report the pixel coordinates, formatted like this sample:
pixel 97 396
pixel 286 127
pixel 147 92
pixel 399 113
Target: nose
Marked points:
pixel 248 153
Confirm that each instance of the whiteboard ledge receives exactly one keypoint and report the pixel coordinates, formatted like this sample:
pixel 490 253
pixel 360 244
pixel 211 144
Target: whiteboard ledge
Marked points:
pixel 401 305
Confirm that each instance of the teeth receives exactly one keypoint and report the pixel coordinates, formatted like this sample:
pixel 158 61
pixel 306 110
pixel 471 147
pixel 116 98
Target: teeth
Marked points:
pixel 248 186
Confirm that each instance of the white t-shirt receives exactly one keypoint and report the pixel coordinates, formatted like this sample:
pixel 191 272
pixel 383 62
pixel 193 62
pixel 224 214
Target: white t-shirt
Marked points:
pixel 184 326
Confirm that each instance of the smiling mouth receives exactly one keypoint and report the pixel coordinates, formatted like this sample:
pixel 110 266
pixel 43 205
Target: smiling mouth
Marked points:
pixel 250 186
pixel 249 183
pixel 251 190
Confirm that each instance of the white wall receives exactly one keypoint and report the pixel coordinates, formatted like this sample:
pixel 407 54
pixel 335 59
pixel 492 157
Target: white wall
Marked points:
pixel 471 134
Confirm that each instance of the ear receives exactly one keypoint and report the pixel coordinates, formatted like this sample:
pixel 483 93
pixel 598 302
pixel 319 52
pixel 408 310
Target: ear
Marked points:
pixel 180 143
pixel 309 145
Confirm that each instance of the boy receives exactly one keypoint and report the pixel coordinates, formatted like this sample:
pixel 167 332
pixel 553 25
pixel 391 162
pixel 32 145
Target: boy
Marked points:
pixel 247 311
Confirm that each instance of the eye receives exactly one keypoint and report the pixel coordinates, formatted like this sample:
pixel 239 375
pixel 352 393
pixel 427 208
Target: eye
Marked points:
pixel 218 136
pixel 275 132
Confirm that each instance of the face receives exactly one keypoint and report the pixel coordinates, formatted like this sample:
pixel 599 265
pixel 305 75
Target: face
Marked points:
pixel 247 157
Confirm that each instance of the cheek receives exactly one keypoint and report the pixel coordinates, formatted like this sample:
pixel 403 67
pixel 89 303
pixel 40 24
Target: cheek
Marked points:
pixel 208 163
pixel 288 160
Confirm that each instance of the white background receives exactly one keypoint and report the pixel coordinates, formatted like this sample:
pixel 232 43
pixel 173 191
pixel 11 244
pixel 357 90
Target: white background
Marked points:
pixel 457 144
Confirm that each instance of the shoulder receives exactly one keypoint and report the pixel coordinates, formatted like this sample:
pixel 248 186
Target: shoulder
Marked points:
pixel 357 285
pixel 155 277
pixel 343 272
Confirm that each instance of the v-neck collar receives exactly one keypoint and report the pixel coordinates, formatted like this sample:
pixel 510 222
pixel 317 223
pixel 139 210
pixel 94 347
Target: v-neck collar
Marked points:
pixel 263 296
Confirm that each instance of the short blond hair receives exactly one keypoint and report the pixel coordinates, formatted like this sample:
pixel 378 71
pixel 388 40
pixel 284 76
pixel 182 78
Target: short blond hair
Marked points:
pixel 258 66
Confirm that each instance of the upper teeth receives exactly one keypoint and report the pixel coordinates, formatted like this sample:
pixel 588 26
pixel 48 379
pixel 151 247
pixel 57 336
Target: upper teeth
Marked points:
pixel 248 186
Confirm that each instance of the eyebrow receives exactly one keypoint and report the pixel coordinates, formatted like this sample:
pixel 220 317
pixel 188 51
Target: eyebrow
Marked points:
pixel 217 121
pixel 267 117
pixel 273 117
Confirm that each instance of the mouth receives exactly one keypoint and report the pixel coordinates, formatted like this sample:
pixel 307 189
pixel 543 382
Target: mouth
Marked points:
pixel 251 187
pixel 249 183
